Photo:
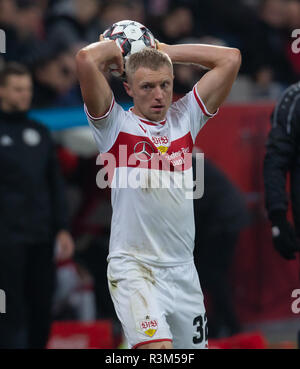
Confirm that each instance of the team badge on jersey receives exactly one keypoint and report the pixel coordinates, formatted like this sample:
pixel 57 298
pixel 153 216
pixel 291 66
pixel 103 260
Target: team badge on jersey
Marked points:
pixel 162 149
pixel 160 142
pixel 149 326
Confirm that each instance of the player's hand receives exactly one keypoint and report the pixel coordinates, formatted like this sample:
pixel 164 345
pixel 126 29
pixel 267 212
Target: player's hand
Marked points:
pixel 160 46
pixel 65 246
pixel 157 44
pixel 116 64
pixel 284 236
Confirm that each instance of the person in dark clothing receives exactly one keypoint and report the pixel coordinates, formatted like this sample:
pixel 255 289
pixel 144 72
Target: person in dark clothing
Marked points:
pixel 70 24
pixel 220 214
pixel 33 216
pixel 54 77
pixel 282 157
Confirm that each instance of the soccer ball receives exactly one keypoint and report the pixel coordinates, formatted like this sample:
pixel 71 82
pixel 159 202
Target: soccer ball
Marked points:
pixel 130 36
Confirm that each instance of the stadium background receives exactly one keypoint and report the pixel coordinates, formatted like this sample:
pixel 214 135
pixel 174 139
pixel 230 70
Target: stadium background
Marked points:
pixel 45 36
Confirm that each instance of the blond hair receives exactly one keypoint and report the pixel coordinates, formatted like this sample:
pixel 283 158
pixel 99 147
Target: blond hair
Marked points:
pixel 147 58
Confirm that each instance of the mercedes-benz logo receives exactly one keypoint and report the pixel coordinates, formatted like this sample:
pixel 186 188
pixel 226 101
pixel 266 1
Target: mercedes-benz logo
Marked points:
pixel 143 151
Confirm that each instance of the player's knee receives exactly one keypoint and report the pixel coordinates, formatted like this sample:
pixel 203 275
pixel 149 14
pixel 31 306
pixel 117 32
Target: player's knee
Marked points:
pixel 157 345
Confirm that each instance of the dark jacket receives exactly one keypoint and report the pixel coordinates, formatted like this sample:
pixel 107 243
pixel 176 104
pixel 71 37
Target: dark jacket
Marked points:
pixel 32 203
pixel 283 155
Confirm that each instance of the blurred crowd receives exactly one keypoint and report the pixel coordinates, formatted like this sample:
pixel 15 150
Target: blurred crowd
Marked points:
pixel 45 34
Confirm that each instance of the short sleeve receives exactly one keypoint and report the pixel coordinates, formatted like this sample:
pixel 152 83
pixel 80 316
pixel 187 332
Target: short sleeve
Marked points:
pixel 107 127
pixel 192 105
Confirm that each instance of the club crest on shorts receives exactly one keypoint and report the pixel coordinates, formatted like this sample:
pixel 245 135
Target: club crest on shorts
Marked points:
pixel 149 326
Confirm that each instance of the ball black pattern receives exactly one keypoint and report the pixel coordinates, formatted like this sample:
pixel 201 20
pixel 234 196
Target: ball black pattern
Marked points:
pixel 130 36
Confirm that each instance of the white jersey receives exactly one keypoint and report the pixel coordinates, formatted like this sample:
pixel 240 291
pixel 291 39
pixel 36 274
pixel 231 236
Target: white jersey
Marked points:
pixel 153 225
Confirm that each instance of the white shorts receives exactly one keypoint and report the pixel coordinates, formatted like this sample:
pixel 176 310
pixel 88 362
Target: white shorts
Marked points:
pixel 158 303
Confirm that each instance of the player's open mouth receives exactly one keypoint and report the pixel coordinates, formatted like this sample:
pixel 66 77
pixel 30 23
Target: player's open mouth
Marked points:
pixel 157 107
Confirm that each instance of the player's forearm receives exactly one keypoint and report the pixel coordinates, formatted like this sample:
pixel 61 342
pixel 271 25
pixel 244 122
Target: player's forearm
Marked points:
pixel 206 55
pixel 92 61
pixel 98 52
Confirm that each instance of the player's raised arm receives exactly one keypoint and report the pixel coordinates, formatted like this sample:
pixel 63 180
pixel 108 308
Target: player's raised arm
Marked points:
pixel 223 62
pixel 91 62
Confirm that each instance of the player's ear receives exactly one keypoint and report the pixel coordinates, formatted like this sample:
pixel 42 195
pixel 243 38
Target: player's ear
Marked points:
pixel 127 88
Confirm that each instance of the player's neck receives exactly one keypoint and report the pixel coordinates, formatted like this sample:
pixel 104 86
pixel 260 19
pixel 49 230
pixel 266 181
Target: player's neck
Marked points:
pixel 137 112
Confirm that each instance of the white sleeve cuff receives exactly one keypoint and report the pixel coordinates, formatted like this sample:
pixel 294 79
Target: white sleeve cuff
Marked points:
pixel 105 115
pixel 202 105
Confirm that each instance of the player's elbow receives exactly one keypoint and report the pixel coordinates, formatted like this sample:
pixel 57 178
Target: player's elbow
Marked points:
pixel 233 58
pixel 82 57
pixel 237 57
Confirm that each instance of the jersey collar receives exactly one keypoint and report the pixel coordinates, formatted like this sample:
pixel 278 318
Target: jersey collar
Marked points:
pixel 149 122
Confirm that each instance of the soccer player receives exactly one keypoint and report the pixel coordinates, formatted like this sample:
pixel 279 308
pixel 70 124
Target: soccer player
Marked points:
pixel 152 278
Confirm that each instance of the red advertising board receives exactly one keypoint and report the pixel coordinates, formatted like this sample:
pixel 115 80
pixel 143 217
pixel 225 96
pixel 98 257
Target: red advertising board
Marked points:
pixel 77 335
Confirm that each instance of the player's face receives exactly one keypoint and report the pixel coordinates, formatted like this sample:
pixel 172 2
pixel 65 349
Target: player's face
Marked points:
pixel 152 92
pixel 16 93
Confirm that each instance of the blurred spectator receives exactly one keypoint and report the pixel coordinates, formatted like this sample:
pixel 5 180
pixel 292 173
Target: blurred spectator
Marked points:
pixel 228 23
pixel 157 8
pixel 23 25
pixel 91 215
pixel 220 215
pixel 138 11
pixel 33 215
pixel 8 10
pixel 93 257
pixel 72 23
pixel 8 18
pixel 186 77
pixel 266 43
pixel 173 26
pixel 115 11
pixel 74 297
pixel 29 19
pixel 293 14
pixel 260 28
pixel 55 81
pixel 265 87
